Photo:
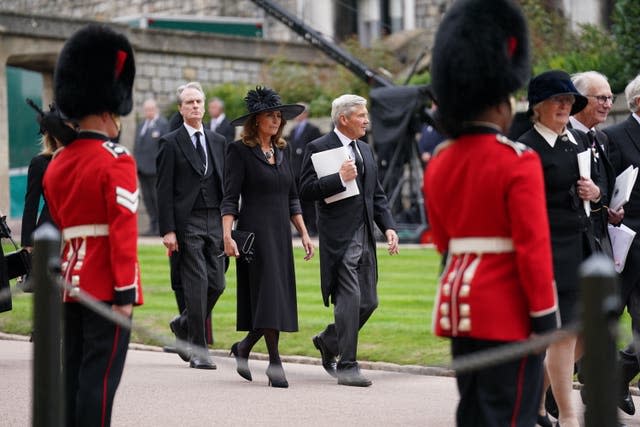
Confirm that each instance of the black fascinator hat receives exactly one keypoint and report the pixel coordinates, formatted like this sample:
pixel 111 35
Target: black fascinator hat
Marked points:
pixel 480 56
pixel 54 123
pixel 263 99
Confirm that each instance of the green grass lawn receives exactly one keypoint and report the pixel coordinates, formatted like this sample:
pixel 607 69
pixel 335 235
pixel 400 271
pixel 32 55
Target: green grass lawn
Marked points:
pixel 398 331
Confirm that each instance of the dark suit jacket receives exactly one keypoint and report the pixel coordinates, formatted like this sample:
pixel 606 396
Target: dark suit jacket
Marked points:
pixel 145 148
pixel 297 144
pixel 338 221
pixel 225 129
pixel 180 175
pixel 624 139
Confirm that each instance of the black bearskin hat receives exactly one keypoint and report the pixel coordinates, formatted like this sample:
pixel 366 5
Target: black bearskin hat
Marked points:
pixel 266 99
pixel 480 56
pixel 95 73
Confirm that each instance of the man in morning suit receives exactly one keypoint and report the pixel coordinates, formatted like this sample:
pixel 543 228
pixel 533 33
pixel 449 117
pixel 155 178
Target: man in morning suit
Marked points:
pixel 625 142
pixel 145 150
pixel 348 265
pixel 219 122
pixel 190 167
pixel 303 133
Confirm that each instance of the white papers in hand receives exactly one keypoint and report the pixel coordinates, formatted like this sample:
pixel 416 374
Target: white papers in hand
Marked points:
pixel 622 190
pixel 584 168
pixel 329 162
pixel 621 239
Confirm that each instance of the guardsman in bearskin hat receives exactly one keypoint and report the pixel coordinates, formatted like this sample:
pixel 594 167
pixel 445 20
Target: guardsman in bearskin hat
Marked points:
pixel 92 192
pixel 486 206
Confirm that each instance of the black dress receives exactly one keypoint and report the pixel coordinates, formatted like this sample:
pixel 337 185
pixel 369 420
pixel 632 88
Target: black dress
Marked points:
pixel 32 216
pixel 266 287
pixel 570 227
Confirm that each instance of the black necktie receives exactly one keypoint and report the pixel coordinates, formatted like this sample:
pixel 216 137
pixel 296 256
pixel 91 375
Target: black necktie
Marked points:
pixel 356 154
pixel 200 151
pixel 594 150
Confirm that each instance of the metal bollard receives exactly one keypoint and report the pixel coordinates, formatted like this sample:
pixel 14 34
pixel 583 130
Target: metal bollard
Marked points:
pixel 600 302
pixel 47 325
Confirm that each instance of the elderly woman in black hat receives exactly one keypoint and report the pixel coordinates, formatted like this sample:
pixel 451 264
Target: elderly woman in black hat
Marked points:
pixel 552 99
pixel 257 170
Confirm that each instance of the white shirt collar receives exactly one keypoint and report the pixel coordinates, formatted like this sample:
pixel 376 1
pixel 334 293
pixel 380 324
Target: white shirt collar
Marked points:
pixel 550 136
pixel 343 138
pixel 577 124
pixel 193 130
pixel 635 116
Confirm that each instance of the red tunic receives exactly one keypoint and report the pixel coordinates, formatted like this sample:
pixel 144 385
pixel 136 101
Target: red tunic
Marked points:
pixel 485 186
pixel 92 193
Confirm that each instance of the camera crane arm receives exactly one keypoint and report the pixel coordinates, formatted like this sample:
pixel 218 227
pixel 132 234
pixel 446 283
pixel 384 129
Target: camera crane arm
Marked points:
pixel 316 39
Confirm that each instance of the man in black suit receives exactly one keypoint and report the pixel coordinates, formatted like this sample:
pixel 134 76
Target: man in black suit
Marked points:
pixel 190 169
pixel 625 142
pixel 348 265
pixel 145 150
pixel 303 133
pixel 219 122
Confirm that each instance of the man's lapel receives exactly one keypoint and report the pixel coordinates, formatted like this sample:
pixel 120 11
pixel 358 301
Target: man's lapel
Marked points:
pixel 186 145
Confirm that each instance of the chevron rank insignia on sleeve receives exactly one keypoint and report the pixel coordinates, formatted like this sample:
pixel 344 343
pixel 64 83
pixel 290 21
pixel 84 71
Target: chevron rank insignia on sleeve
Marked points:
pixel 127 199
pixel 116 150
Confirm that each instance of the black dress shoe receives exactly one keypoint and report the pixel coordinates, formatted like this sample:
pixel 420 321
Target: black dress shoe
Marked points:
pixel 626 403
pixel 242 363
pixel 199 362
pixel 544 421
pixel 328 359
pixel 352 377
pixel 181 335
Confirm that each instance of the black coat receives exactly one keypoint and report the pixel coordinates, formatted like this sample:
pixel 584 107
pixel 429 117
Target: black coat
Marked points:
pixel 180 176
pixel 571 229
pixel 266 286
pixel 297 143
pixel 338 221
pixel 624 139
pixel 225 129
pixel 32 216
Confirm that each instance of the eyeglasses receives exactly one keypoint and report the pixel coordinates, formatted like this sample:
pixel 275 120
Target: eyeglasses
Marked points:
pixel 603 99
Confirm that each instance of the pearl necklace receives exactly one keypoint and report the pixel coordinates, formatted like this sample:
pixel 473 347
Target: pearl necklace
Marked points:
pixel 268 154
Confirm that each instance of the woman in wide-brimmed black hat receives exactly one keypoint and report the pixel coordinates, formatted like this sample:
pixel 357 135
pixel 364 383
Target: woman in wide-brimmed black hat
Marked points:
pixel 257 170
pixel 552 99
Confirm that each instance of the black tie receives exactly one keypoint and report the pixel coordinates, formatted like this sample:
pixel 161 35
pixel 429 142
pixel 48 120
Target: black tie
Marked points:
pixel 594 150
pixel 356 154
pixel 200 151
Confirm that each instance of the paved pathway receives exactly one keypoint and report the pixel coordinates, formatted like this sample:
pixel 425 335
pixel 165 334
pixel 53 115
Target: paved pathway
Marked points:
pixel 158 389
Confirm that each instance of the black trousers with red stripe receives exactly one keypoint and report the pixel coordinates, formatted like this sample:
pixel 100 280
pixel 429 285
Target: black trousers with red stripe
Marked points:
pixel 507 394
pixel 94 354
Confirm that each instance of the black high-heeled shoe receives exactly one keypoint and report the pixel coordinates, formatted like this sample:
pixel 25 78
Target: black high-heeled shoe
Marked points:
pixel 275 373
pixel 544 421
pixel 242 363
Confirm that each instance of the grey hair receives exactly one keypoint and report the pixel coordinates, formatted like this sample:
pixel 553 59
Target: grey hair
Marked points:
pixel 632 92
pixel 583 81
pixel 191 85
pixel 344 105
pixel 216 99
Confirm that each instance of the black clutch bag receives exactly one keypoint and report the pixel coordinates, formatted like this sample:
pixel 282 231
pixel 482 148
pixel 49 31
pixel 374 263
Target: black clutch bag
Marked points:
pixel 18 263
pixel 244 241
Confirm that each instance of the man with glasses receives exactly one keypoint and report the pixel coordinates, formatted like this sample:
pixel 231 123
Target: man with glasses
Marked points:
pixel 625 138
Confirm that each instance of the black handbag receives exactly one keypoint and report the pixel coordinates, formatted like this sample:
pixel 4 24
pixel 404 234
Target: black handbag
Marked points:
pixel 18 262
pixel 244 241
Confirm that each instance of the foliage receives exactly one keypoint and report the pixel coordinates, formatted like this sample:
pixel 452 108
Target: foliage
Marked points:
pixel 626 28
pixel 318 85
pixel 555 46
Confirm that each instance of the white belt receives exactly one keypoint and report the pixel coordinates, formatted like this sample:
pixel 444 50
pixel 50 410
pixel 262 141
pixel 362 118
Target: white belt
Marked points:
pixel 479 245
pixel 87 230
